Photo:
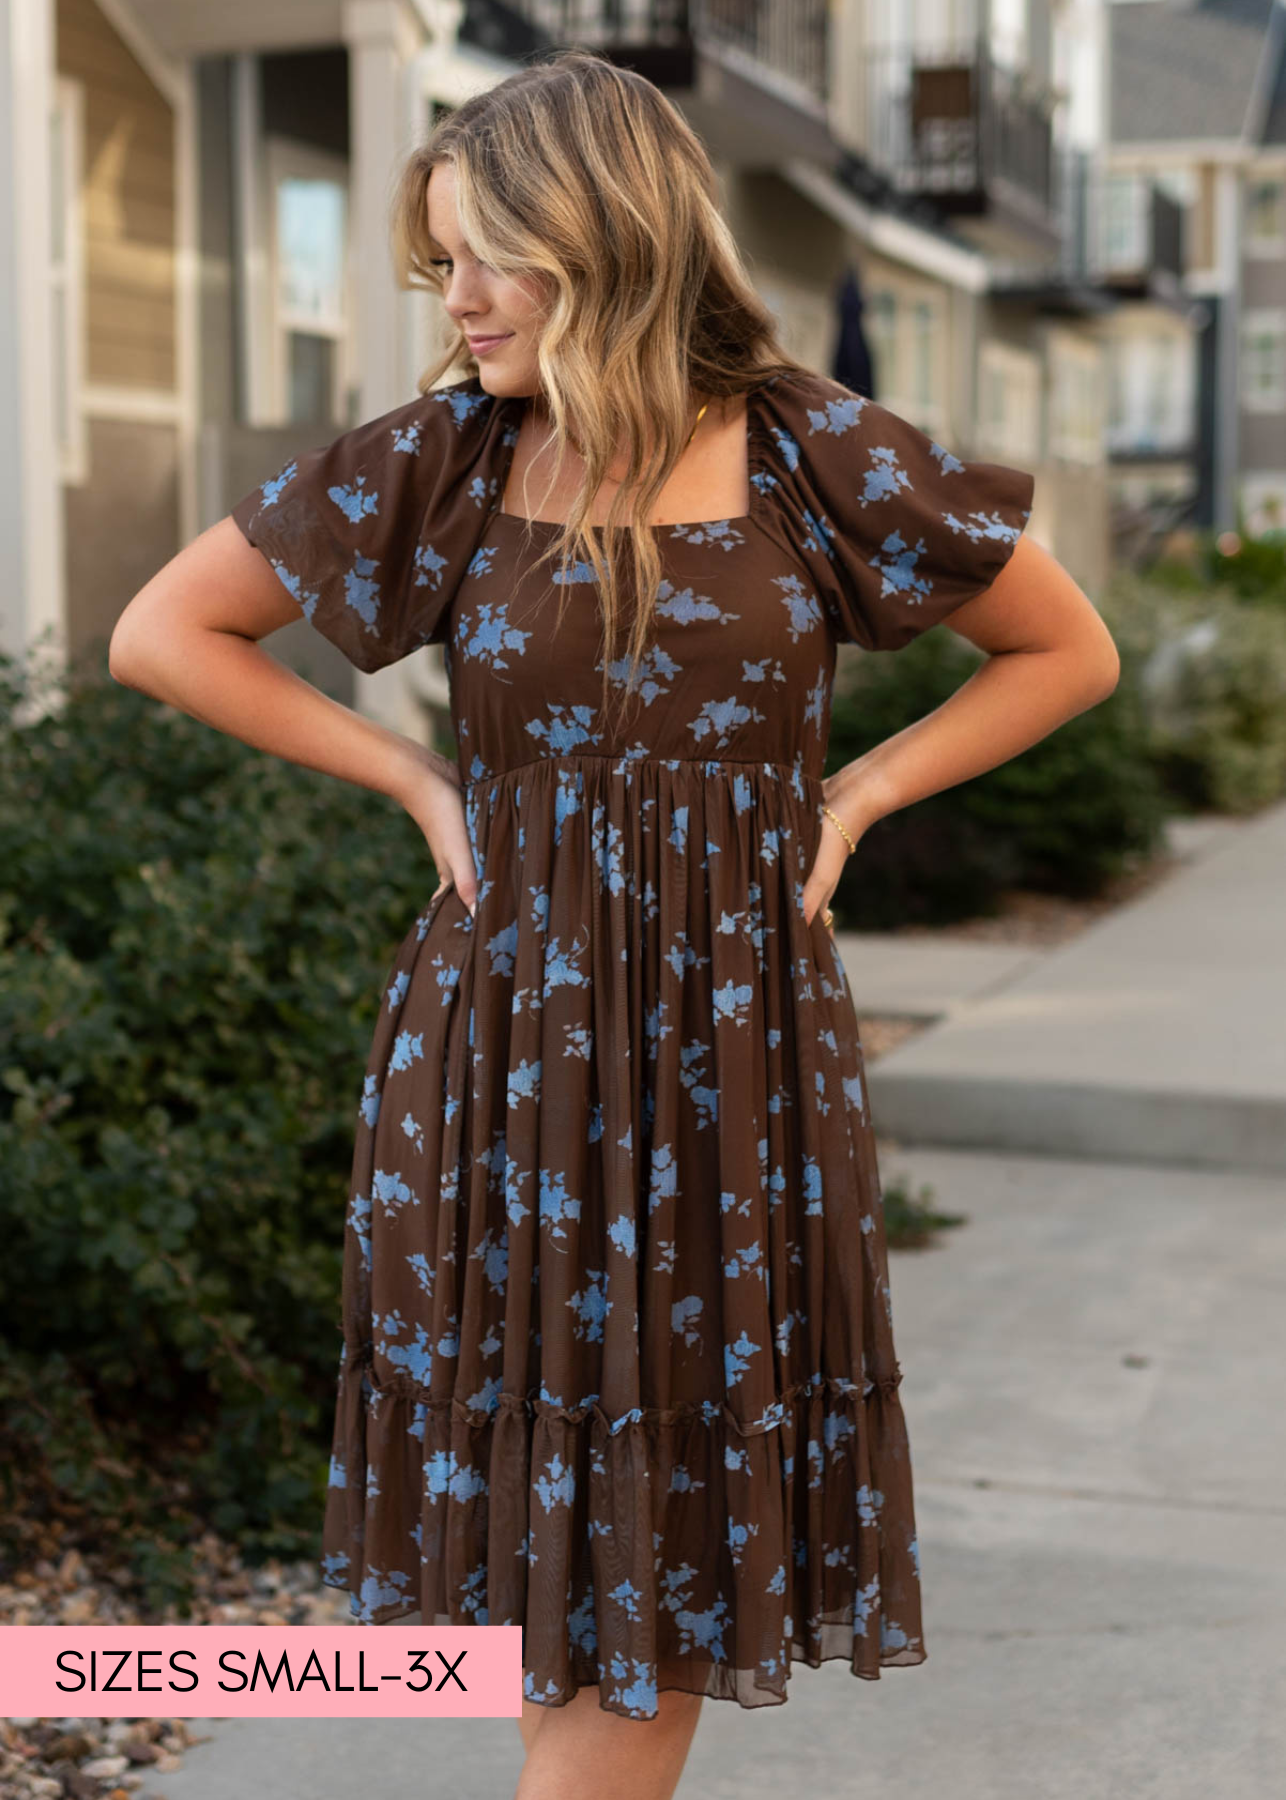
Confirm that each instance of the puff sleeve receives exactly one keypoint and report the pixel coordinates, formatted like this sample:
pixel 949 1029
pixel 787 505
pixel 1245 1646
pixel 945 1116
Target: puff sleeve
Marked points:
pixel 372 532
pixel 896 531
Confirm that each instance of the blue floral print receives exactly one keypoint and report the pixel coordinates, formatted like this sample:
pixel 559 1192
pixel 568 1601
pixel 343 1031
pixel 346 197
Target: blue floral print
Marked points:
pixel 617 1362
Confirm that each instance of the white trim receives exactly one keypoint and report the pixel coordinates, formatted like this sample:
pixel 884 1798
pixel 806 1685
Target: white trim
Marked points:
pixel 383 42
pixel 32 543
pixel 160 70
pixel 67 279
pixel 1154 151
pixel 384 23
pixel 895 238
pixel 187 301
pixel 1226 239
pixel 441 19
pixel 254 366
pixel 151 406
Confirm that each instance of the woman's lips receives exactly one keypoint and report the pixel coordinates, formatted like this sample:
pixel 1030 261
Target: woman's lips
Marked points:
pixel 480 346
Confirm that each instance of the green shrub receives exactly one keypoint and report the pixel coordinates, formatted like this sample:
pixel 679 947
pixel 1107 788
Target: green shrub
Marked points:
pixel 1212 670
pixel 1255 569
pixel 1066 816
pixel 192 941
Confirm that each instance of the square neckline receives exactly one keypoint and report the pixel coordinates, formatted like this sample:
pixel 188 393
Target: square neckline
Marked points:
pixel 513 405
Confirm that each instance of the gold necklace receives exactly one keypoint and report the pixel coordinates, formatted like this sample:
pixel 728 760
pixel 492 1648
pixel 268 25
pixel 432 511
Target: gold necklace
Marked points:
pixel 693 431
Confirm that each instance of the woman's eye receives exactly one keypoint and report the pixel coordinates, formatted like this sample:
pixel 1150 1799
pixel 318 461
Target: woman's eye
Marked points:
pixel 446 262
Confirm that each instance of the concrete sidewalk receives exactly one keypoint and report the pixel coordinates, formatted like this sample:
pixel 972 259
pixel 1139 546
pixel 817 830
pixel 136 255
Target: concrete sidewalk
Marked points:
pixel 1092 1387
pixel 1156 1035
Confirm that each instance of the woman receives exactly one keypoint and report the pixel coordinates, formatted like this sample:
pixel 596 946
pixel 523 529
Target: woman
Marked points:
pixel 618 1363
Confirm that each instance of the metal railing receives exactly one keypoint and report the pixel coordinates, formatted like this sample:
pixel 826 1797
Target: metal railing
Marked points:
pixel 951 122
pixel 790 37
pixel 1119 227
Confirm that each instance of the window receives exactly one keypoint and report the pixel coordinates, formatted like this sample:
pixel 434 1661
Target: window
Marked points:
pixel 1266 216
pixel 907 335
pixel 1263 359
pixel 924 320
pixel 294 306
pixel 1263 504
pixel 1124 222
pixel 308 291
pixel 1009 33
pixel 882 312
pixel 1009 404
pixel 66 278
pixel 1163 385
pixel 1151 392
pixel 1076 426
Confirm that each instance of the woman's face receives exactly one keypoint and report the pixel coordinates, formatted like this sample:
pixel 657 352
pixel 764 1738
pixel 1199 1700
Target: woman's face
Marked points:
pixel 482 303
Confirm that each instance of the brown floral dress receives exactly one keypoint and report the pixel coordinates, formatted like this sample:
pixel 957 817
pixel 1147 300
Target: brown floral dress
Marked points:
pixel 617 1362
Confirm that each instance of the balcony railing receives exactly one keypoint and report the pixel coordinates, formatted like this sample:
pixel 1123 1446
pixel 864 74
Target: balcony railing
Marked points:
pixel 1120 229
pixel 953 125
pixel 788 37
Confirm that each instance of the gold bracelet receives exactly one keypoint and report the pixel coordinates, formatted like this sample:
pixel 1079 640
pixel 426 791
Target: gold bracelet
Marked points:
pixel 830 815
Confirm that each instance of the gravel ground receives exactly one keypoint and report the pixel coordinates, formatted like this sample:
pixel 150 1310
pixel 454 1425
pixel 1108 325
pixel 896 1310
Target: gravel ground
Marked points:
pixel 120 1759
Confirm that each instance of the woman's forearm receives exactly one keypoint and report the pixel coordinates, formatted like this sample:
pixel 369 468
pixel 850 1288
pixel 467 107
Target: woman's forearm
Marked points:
pixel 1013 700
pixel 230 682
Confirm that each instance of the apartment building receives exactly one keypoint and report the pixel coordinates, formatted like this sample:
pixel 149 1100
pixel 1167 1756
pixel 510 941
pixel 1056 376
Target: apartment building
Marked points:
pixel 1198 109
pixel 195 265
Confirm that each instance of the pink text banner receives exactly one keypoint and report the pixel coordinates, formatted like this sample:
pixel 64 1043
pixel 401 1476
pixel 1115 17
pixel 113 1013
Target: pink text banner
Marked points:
pixel 261 1671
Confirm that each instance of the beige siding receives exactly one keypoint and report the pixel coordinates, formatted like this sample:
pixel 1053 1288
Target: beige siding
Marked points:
pixel 129 205
pixel 1201 224
pixel 122 526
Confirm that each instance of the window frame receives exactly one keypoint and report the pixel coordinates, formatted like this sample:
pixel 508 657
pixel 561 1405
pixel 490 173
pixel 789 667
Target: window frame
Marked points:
pixel 1255 319
pixel 897 346
pixel 1016 369
pixel 1263 245
pixel 285 158
pixel 1077 434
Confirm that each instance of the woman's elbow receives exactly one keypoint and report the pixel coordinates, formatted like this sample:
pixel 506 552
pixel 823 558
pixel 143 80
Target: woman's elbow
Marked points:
pixel 120 664
pixel 1105 664
pixel 126 659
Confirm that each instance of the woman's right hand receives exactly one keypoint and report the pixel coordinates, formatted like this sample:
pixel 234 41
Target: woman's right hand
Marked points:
pixel 432 797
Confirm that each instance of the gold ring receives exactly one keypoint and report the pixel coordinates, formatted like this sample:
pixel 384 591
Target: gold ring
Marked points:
pixel 828 917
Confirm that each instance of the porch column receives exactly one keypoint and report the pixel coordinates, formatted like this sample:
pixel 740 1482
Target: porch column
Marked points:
pixel 31 511
pixel 382 38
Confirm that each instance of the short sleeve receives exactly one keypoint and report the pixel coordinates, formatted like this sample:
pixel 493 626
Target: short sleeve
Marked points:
pixel 896 531
pixel 372 532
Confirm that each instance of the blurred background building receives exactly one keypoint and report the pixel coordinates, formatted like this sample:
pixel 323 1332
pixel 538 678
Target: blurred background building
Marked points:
pixel 1049 232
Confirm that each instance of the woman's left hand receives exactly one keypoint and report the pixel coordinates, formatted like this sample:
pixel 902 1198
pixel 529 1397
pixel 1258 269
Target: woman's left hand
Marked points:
pixel 832 853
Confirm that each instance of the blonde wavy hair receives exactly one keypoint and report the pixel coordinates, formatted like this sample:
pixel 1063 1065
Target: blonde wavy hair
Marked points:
pixel 582 181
